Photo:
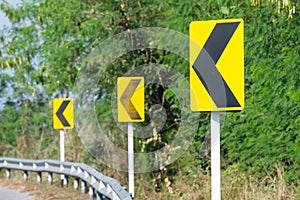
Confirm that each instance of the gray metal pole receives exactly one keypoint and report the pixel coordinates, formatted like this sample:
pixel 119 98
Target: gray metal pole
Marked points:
pixel 130 159
pixel 62 152
pixel 215 156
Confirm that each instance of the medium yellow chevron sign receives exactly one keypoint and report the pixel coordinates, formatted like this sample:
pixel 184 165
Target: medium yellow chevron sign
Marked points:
pixel 63 113
pixel 130 99
pixel 217 65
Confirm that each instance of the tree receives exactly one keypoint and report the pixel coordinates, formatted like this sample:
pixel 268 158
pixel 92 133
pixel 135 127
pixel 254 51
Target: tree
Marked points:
pixel 49 42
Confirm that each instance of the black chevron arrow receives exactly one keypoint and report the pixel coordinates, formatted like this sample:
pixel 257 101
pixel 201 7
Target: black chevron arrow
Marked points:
pixel 205 65
pixel 126 102
pixel 60 112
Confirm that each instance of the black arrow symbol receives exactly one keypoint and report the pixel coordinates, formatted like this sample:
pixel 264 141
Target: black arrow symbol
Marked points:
pixel 60 112
pixel 126 102
pixel 205 65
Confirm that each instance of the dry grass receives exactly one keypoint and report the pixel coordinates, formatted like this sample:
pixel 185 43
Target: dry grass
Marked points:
pixel 235 186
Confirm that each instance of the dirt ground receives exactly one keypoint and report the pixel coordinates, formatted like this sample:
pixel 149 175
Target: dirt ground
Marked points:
pixel 41 191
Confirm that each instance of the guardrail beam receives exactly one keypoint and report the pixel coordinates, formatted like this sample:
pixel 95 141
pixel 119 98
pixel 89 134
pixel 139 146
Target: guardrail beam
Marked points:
pixel 101 186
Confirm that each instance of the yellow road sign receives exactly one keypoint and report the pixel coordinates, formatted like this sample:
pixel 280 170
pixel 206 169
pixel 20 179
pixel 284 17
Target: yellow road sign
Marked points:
pixel 63 113
pixel 217 65
pixel 131 99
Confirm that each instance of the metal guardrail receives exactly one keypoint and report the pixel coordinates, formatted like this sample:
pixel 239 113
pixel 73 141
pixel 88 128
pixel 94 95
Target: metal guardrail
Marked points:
pixel 101 186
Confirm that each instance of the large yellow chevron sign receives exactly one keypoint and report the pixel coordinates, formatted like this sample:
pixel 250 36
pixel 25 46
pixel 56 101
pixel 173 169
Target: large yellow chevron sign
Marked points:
pixel 217 65
pixel 131 99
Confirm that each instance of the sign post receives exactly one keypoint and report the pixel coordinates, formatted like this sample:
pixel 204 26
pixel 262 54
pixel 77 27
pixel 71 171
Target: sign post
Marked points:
pixel 130 159
pixel 216 78
pixel 62 153
pixel 61 145
pixel 63 119
pixel 215 155
pixel 131 109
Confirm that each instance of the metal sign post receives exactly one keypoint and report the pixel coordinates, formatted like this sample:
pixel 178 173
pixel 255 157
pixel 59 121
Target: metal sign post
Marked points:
pixel 62 145
pixel 215 156
pixel 130 159
pixel 216 80
pixel 63 118
pixel 62 151
pixel 131 109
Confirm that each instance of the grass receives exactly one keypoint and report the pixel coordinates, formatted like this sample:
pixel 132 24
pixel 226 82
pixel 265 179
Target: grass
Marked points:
pixel 192 186
pixel 190 182
pixel 235 186
pixel 241 186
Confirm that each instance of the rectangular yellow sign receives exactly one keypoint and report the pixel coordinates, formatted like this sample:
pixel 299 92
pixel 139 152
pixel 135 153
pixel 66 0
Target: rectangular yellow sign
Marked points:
pixel 63 113
pixel 217 65
pixel 131 99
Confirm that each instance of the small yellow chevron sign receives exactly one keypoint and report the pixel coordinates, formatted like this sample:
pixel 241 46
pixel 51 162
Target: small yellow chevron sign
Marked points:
pixel 131 99
pixel 217 65
pixel 63 113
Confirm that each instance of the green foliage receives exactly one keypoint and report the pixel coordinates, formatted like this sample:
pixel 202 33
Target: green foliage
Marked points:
pixel 9 129
pixel 266 133
pixel 26 130
pixel 49 40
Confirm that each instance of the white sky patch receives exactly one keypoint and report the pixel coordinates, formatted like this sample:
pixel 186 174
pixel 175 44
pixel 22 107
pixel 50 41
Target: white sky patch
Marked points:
pixel 4 22
pixel 3 19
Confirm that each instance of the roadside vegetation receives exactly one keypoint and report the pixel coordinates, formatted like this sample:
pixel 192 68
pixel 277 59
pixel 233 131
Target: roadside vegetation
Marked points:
pixel 42 52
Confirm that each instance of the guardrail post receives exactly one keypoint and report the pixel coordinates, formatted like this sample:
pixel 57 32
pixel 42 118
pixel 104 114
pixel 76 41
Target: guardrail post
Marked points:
pixel 50 178
pixel 65 181
pixel 8 174
pixel 76 183
pixel 25 175
pixel 39 177
pixel 91 192
pixel 83 187
pixel 98 195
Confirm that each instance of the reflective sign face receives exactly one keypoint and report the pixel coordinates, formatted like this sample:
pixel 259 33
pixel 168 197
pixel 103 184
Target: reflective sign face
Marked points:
pixel 63 113
pixel 217 65
pixel 131 99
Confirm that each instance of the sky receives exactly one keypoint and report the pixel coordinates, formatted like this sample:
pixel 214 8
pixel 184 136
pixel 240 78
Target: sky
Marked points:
pixel 3 19
pixel 5 22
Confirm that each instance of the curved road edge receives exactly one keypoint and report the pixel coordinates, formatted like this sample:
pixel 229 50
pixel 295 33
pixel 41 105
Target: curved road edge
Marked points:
pixel 11 194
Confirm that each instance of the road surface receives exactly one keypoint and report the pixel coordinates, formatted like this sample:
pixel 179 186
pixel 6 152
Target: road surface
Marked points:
pixel 8 194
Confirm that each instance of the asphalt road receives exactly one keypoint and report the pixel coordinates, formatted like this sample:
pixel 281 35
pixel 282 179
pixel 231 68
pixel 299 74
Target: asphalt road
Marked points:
pixel 8 194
